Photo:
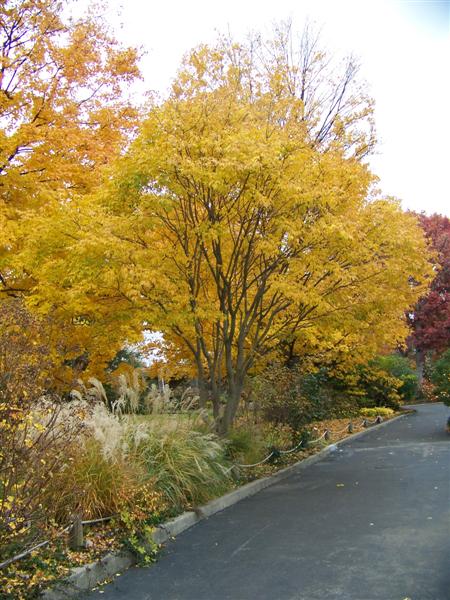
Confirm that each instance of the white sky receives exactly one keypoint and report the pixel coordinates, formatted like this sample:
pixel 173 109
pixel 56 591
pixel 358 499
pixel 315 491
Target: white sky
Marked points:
pixel 403 45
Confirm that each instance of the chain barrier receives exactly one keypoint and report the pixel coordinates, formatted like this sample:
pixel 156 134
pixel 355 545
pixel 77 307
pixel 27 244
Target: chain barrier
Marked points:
pixel 325 435
pixel 30 550
pixel 292 449
pixel 261 462
pixel 346 429
pixel 66 529
pixel 277 452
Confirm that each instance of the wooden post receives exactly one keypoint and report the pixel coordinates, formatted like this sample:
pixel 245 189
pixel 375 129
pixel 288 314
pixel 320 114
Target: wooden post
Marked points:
pixel 76 541
pixel 327 435
pixel 350 428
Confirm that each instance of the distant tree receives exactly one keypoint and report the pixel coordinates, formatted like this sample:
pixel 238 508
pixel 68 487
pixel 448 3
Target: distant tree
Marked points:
pixel 126 356
pixel 430 319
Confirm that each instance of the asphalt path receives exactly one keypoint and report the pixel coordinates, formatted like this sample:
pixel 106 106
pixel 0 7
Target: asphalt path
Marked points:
pixel 371 521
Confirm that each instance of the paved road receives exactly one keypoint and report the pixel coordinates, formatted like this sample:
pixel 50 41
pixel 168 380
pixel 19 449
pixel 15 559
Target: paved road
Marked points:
pixel 368 522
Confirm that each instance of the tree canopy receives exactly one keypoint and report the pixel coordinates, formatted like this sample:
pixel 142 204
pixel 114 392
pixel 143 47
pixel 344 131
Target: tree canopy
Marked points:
pixel 229 227
pixel 63 114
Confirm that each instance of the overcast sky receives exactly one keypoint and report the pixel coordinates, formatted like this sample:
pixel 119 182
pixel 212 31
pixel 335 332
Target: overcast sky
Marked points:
pixel 403 45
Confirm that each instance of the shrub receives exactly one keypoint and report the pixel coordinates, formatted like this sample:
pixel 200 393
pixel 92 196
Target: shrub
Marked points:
pixel 428 391
pixel 440 377
pixel 279 390
pixel 378 387
pixel 399 367
pixel 289 397
pixel 331 394
pixel 33 452
pixel 33 435
pixel 381 411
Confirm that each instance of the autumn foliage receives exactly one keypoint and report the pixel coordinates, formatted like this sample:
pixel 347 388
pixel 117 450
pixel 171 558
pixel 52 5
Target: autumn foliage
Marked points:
pixel 235 224
pixel 236 220
pixel 241 222
pixel 63 115
pixel 430 320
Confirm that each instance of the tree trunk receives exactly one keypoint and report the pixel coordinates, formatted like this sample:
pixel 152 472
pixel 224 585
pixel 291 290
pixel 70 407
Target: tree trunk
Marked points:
pixel 203 394
pixel 215 397
pixel 420 363
pixel 202 386
pixel 233 399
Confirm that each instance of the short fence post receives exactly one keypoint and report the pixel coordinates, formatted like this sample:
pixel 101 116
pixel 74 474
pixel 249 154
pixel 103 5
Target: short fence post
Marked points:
pixel 234 471
pixel 350 428
pixel 76 541
pixel 327 435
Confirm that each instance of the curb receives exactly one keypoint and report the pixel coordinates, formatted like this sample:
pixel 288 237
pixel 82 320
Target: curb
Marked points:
pixel 83 579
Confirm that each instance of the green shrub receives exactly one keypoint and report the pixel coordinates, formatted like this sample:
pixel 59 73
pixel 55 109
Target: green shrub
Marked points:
pixel 440 377
pixel 331 395
pixel 277 392
pixel 378 388
pixel 399 367
pixel 289 397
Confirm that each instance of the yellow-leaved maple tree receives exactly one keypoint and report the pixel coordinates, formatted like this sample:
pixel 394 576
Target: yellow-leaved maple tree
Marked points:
pixel 238 220
pixel 64 115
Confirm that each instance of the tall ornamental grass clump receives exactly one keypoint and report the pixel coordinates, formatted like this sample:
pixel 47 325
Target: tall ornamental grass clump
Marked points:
pixel 97 476
pixel 96 485
pixel 188 467
pixel 117 457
